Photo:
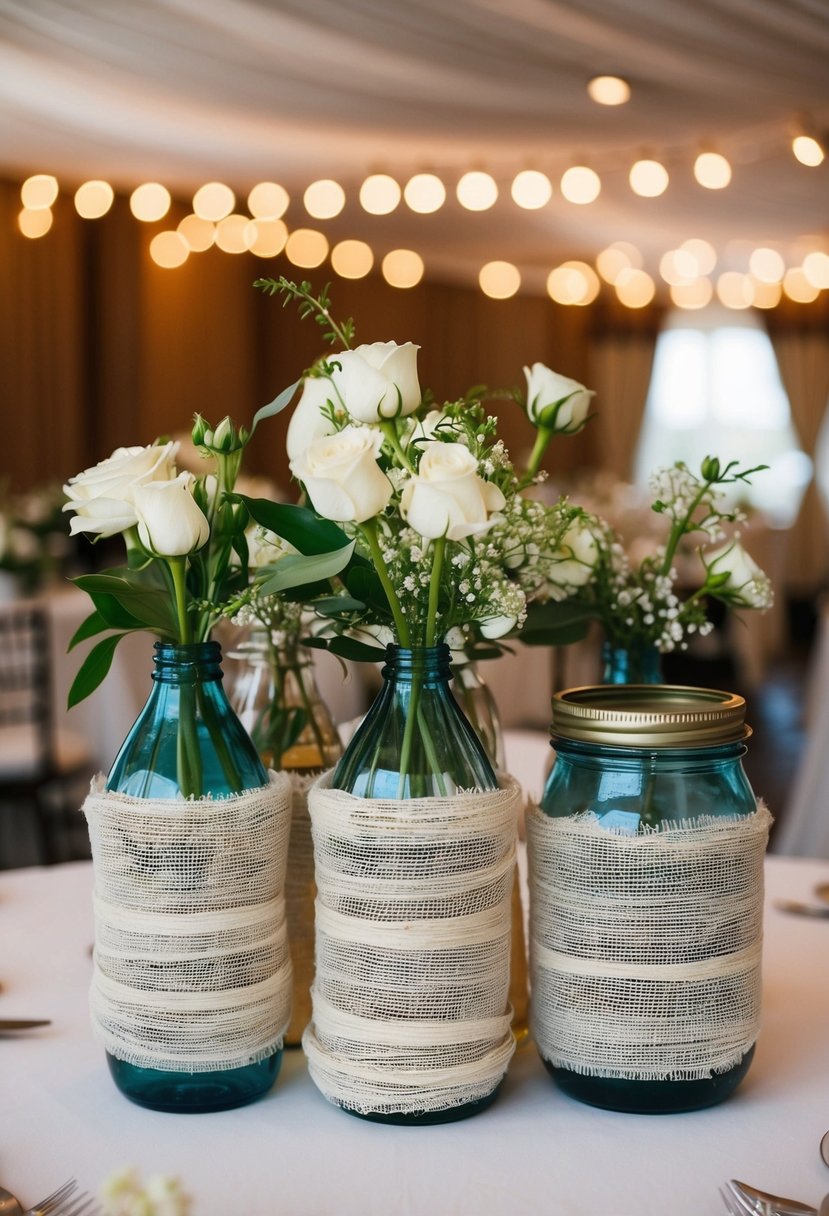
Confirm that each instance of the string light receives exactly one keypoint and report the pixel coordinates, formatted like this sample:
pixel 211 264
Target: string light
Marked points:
pixel 424 193
pixel 678 266
pixel 797 287
pixel 402 268
pixel 703 253
pixel 735 290
pixel 93 199
pixel 234 234
pixel 580 185
pixel 635 288
pixel 34 224
pixel 306 247
pixel 380 194
pixel 712 170
pixel 573 283
pixel 477 191
pixel 268 201
pixel 499 280
pixel 816 269
pixel 197 233
pixel 808 150
pixel 324 199
pixel 352 259
pixel 213 201
pixel 767 265
pixel 766 295
pixel 695 294
pixel 39 191
pixel 169 250
pixel 648 178
pixel 150 202
pixel 609 90
pixel 267 237
pixel 531 189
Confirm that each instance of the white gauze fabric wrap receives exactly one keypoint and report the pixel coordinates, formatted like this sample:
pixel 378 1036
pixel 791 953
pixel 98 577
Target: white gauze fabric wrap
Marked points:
pixel 192 970
pixel 645 950
pixel 411 995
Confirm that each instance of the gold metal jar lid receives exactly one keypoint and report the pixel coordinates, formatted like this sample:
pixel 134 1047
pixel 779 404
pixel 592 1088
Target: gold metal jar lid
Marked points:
pixel 649 716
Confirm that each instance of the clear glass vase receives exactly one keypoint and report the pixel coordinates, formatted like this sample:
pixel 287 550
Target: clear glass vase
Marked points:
pixel 688 770
pixel 188 742
pixel 416 743
pixel 272 687
pixel 478 704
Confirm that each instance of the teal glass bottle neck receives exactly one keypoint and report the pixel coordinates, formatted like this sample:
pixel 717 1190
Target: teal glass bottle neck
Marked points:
pixel 640 664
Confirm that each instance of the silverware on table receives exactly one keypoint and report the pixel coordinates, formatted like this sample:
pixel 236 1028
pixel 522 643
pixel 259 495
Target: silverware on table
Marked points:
pixel 9 1206
pixel 741 1199
pixel 800 908
pixel 9 1025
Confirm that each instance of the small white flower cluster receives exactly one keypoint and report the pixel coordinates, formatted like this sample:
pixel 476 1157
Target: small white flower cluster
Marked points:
pixel 124 1194
pixel 550 551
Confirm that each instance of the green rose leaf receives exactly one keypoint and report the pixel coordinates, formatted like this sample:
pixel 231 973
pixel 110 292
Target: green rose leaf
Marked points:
pixel 93 669
pixel 296 570
pixel 299 526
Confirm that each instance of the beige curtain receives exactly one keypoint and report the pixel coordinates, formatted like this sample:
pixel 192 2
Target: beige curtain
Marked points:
pixel 803 359
pixel 620 366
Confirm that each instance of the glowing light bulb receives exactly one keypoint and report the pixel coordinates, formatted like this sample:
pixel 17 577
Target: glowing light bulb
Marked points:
pixel 402 268
pixel 766 295
pixel 352 259
pixel 424 193
pixel 611 262
pixel 268 201
pixel 499 280
pixel 531 189
pixel 306 247
pixel 798 288
pixel 635 288
pixel 648 178
pixel 573 283
pixel 807 150
pixel 34 224
pixel 816 269
pixel 580 185
pixel 324 199
pixel 233 234
pixel 169 250
pixel 678 266
pixel 93 199
pixel 380 194
pixel 267 237
pixel 704 254
pixel 609 90
pixel 712 170
pixel 150 202
pixel 39 191
pixel 767 265
pixel 198 234
pixel 477 191
pixel 735 290
pixel 213 201
pixel 695 294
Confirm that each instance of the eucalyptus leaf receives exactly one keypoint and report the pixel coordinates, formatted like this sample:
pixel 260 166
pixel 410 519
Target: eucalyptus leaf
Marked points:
pixel 93 669
pixel 296 570
pixel 275 407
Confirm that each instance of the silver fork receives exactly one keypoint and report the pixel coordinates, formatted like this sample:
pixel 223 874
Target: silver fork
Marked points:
pixel 65 1202
pixel 743 1200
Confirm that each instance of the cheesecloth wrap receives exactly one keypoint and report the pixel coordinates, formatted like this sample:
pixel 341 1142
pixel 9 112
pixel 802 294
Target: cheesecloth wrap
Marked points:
pixel 192 971
pixel 410 1000
pixel 645 950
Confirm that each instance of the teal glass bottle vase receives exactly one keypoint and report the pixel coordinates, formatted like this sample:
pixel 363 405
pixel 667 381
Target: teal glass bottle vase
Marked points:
pixel 638 664
pixel 416 743
pixel 188 742
pixel 668 778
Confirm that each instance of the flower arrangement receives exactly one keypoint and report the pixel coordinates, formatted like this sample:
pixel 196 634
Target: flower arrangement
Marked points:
pixel 34 539
pixel 639 603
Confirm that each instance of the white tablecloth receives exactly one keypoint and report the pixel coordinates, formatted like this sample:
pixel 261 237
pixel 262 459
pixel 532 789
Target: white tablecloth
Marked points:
pixel 292 1154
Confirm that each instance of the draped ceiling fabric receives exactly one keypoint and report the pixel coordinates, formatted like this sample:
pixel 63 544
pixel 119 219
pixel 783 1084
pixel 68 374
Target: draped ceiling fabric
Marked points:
pixel 187 91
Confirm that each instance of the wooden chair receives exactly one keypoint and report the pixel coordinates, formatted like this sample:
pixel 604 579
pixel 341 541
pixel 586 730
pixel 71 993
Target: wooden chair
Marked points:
pixel 43 770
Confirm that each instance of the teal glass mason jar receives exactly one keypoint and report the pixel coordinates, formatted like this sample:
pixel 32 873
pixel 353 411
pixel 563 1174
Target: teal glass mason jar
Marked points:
pixel 639 758
pixel 415 742
pixel 188 742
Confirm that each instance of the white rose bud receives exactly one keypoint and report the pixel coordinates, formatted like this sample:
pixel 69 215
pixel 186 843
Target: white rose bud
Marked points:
pixel 447 497
pixel 497 626
pixel 556 402
pixel 170 522
pixel 746 585
pixel 308 422
pixel 426 428
pixel 378 380
pixel 102 496
pixel 342 477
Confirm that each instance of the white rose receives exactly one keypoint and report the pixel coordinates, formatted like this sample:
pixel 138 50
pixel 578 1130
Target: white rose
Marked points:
pixel 447 497
pixel 308 422
pixel 342 477
pixel 497 626
pixel 170 522
pixel 555 401
pixel 378 380
pixel 426 428
pixel 579 555
pixel 102 496
pixel 747 585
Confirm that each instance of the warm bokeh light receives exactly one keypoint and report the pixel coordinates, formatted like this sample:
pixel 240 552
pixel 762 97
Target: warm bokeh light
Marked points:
pixel 635 288
pixel 324 199
pixel 735 290
pixel 807 150
pixel 798 288
pixel 39 191
pixel 678 266
pixel 531 189
pixel 169 250
pixel 816 269
pixel 712 170
pixel 150 202
pixel 477 191
pixel 609 90
pixel 499 280
pixel 580 185
pixel 767 265
pixel 306 247
pixel 573 283
pixel 352 259
pixel 402 268
pixel 268 201
pixel 648 178
pixel 611 262
pixel 380 194
pixel 234 234
pixel 213 201
pixel 198 234
pixel 766 295
pixel 695 294
pixel 703 253
pixel 424 193
pixel 35 223
pixel 93 199
pixel 266 237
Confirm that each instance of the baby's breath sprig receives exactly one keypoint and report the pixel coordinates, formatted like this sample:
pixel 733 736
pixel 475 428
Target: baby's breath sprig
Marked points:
pixel 310 305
